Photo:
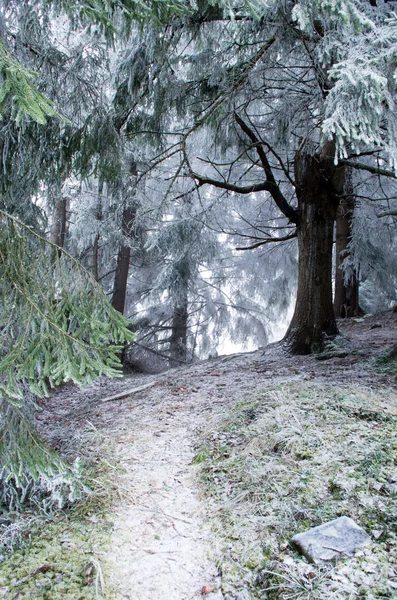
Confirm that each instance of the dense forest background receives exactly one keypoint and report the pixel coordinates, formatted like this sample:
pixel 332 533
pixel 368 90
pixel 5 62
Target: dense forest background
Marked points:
pixel 181 175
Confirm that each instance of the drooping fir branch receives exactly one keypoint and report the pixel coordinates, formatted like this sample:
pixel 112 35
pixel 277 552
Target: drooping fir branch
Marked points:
pixel 55 325
pixel 19 92
pixel 30 472
pixel 107 14
pixel 233 88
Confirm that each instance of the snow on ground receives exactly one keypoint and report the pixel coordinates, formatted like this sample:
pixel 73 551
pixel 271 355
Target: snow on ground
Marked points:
pixel 162 545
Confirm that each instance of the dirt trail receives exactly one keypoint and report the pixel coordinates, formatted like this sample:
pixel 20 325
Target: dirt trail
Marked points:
pixel 162 545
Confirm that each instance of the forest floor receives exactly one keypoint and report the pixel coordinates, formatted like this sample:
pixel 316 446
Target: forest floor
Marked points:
pixel 202 474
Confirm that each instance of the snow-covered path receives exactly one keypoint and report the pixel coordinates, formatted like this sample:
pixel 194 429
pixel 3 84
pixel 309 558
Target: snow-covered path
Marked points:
pixel 160 545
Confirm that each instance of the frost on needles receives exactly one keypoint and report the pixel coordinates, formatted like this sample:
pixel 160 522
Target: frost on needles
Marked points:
pixel 56 326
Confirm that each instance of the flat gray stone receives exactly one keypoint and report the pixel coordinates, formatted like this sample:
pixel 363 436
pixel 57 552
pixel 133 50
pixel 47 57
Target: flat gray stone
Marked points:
pixel 335 539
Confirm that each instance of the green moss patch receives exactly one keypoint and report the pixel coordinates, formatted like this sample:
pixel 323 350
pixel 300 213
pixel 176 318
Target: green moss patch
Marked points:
pixel 58 556
pixel 387 363
pixel 61 561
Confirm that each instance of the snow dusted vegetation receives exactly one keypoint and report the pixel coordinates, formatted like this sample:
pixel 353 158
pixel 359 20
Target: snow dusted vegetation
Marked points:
pixel 200 477
pixel 178 179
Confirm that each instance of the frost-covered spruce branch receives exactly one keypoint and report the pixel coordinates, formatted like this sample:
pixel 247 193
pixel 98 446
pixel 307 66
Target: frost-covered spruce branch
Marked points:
pixel 56 325
pixel 19 92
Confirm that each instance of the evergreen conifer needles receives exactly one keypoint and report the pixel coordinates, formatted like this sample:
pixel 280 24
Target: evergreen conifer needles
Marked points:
pixel 56 325
pixel 17 88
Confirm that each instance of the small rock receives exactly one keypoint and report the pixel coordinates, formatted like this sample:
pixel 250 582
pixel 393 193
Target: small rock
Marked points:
pixel 310 574
pixel 206 589
pixel 375 325
pixel 334 539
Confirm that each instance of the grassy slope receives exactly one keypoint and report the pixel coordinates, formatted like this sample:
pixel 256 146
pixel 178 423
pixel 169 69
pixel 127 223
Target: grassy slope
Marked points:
pixel 289 459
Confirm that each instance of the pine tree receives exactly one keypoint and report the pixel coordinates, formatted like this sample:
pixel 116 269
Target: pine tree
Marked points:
pixel 289 97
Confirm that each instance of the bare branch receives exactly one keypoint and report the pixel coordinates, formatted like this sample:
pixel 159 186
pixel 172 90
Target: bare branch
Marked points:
pixel 249 189
pixel 388 213
pixel 269 240
pixel 273 188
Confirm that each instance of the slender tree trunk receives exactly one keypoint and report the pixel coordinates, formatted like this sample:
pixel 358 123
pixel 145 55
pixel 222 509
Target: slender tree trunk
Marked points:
pixel 58 228
pixel 178 340
pixel 95 257
pixel 124 254
pixel 123 262
pixel 319 184
pixel 346 292
pixel 95 247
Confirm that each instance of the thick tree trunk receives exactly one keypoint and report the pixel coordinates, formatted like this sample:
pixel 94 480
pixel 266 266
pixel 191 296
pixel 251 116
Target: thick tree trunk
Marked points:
pixel 346 292
pixel 319 184
pixel 123 262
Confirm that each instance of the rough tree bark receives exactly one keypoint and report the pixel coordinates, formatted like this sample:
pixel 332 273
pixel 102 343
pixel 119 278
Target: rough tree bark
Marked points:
pixel 59 223
pixel 319 185
pixel 123 262
pixel 124 254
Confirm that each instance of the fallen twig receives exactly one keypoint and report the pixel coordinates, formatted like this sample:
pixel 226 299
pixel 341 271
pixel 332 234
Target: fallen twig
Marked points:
pixel 129 392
